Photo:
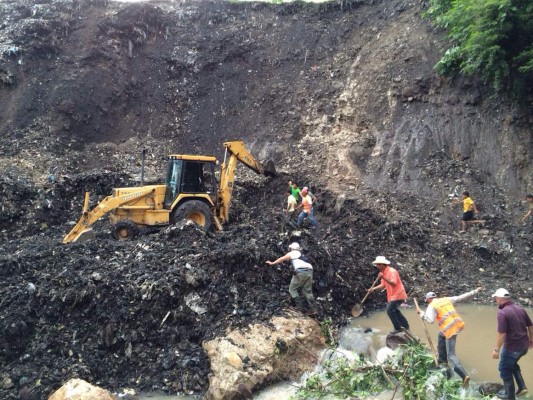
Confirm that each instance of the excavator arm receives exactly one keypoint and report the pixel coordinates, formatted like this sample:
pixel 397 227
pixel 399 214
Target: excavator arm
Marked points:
pixel 88 218
pixel 237 153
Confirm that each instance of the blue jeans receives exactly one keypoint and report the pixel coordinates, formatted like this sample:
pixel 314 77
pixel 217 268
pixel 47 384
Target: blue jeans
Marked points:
pixel 304 215
pixel 509 363
pixel 446 349
pixel 396 317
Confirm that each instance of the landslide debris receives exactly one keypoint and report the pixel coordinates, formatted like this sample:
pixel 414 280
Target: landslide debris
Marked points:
pixel 88 84
pixel 135 314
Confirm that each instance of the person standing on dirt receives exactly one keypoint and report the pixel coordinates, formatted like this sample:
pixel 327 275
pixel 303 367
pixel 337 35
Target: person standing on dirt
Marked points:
pixel 307 205
pixel 295 190
pixel 469 209
pixel 450 323
pixel 390 280
pixel 514 338
pixel 291 207
pixel 529 199
pixel 302 278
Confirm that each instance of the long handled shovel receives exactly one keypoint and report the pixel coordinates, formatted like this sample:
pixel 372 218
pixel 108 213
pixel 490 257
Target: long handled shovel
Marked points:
pixel 428 336
pixel 357 310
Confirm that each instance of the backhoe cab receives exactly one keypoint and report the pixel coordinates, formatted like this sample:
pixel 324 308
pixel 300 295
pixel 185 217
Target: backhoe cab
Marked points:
pixel 191 192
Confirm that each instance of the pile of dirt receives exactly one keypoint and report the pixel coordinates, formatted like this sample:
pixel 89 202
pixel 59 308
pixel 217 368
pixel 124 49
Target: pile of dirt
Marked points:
pixel 88 84
pixel 134 314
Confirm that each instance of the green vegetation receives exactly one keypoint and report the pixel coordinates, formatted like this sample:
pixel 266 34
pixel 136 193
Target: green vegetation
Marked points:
pixel 326 328
pixel 490 38
pixel 412 370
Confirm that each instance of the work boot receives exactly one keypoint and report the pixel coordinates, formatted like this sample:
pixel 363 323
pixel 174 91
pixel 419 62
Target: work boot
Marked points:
pixel 313 309
pixel 300 304
pixel 443 366
pixel 463 375
pixel 507 393
pixel 522 389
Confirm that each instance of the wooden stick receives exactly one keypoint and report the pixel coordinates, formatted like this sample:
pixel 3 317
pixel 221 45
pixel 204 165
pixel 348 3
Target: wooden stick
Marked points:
pixel 367 293
pixel 427 335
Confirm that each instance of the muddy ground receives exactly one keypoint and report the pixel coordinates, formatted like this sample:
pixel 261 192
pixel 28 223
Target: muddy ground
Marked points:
pixel 87 84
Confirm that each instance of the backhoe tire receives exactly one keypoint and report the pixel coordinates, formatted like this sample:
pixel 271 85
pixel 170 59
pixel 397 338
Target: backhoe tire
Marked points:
pixel 195 211
pixel 125 230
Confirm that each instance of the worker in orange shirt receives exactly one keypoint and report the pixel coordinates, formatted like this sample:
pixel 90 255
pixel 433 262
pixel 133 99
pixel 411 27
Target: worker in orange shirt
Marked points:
pixel 390 280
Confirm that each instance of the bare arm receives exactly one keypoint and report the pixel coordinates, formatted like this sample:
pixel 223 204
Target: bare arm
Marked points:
pixel 527 215
pixel 500 337
pixel 286 257
pixel 378 287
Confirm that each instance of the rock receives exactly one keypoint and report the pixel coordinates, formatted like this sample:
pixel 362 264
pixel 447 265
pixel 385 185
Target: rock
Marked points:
pixel 489 388
pixel 259 345
pixel 7 382
pixel 395 340
pixel 78 389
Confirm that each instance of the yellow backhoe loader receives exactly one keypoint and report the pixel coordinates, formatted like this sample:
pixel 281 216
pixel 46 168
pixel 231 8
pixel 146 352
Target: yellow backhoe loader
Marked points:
pixel 191 191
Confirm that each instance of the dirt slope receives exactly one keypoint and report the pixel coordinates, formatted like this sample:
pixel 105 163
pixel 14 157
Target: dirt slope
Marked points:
pixel 342 96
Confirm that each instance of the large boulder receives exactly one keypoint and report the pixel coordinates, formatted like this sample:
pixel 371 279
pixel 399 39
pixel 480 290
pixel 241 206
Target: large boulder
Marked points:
pixel 245 359
pixel 78 389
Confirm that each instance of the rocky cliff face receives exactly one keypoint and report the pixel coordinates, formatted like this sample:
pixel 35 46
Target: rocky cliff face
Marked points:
pixel 346 90
pixel 344 98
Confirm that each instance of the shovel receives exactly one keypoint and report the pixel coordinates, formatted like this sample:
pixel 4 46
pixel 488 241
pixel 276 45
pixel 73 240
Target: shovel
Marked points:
pixel 428 336
pixel 357 310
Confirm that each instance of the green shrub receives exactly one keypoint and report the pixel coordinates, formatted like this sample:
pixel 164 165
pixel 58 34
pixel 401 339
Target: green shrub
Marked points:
pixel 412 369
pixel 489 38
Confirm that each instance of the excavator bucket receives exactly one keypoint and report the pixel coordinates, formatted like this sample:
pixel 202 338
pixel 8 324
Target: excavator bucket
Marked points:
pixel 269 168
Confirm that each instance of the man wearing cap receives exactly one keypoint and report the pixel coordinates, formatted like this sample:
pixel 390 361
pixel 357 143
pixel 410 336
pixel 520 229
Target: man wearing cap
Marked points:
pixel 307 205
pixel 390 280
pixel 450 324
pixel 302 278
pixel 514 338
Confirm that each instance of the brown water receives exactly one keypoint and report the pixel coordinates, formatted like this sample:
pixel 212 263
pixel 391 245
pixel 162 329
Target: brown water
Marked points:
pixel 474 349
pixel 474 344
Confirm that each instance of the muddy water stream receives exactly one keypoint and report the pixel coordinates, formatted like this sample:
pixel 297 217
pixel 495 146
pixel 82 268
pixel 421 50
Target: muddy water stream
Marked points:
pixel 474 348
pixel 474 344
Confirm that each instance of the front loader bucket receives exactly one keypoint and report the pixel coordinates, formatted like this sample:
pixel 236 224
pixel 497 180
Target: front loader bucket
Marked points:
pixel 269 168
pixel 86 234
pixel 79 236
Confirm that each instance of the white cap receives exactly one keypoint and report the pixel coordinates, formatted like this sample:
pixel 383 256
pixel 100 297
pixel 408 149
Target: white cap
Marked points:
pixel 381 260
pixel 501 292
pixel 294 246
pixel 430 295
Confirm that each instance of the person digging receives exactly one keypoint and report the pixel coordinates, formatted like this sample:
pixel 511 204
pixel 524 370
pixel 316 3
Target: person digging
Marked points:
pixel 390 280
pixel 302 278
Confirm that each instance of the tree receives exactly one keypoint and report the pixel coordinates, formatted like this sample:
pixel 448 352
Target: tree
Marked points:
pixel 492 38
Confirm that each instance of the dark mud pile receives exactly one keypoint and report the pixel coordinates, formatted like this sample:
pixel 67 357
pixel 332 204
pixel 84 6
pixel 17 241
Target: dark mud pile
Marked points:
pixel 85 89
pixel 134 314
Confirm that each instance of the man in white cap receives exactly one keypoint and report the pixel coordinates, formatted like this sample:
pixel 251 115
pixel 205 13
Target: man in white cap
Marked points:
pixel 390 280
pixel 514 338
pixel 450 324
pixel 302 278
pixel 307 205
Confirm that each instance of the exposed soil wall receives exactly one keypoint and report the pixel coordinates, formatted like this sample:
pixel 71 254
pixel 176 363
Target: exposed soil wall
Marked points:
pixel 342 96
